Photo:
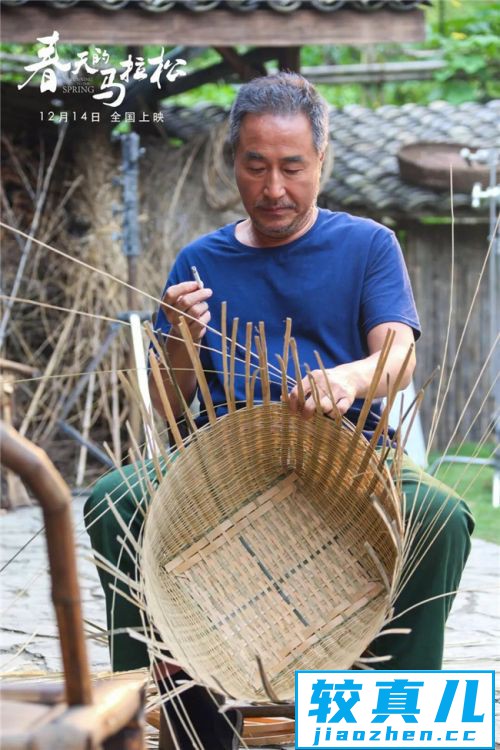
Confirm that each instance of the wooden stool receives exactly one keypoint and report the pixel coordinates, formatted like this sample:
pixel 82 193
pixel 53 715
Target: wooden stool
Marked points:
pixel 78 715
pixel 264 725
pixel 36 715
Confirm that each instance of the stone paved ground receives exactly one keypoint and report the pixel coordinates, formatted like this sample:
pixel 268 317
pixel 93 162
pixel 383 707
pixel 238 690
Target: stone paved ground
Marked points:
pixel 28 638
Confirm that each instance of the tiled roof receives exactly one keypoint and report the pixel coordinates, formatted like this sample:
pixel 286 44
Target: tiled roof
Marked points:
pixel 366 143
pixel 365 174
pixel 284 6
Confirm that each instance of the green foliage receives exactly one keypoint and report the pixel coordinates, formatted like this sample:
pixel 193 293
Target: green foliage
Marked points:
pixel 470 45
pixel 474 58
pixel 464 34
pixel 474 484
pixel 210 93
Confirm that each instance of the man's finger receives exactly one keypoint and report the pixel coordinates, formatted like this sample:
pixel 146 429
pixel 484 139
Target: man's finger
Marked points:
pixel 326 405
pixel 199 328
pixel 343 405
pixel 185 301
pixel 203 320
pixel 293 400
pixel 196 311
pixel 309 408
pixel 174 292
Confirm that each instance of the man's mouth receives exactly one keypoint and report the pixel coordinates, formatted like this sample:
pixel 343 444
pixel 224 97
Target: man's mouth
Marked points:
pixel 276 209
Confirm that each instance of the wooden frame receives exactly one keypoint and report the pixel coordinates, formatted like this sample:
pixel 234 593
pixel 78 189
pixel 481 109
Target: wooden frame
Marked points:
pixel 88 25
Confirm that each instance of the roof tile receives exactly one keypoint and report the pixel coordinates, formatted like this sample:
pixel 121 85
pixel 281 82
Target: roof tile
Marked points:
pixel 366 142
pixel 283 6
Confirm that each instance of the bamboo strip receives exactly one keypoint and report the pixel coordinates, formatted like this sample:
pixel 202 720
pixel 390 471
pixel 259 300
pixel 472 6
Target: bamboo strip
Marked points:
pixel 167 407
pixel 336 413
pixel 200 374
pixel 253 380
pixel 314 391
pixel 377 375
pixel 115 404
pixel 392 395
pixel 51 366
pixel 165 360
pixel 82 461
pixel 284 361
pixel 298 373
pixel 248 349
pixel 416 407
pixel 264 383
pixel 232 363
pixel 264 365
pixel 225 370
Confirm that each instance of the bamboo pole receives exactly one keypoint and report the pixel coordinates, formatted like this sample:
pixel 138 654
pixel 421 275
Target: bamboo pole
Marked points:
pixel 82 461
pixel 37 471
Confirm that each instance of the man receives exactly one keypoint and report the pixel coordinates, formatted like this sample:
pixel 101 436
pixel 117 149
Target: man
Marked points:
pixel 343 281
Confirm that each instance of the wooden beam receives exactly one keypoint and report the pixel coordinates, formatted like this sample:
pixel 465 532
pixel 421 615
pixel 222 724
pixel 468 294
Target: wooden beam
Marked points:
pixel 92 25
pixel 414 70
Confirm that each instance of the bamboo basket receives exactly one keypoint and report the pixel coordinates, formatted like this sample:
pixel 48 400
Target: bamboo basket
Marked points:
pixel 272 544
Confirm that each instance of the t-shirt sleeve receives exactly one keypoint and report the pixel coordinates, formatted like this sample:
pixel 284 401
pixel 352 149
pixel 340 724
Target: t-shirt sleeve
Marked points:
pixel 387 294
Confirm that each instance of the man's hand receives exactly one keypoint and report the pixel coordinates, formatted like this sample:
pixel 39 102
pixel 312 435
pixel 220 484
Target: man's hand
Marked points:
pixel 353 380
pixel 189 299
pixel 340 383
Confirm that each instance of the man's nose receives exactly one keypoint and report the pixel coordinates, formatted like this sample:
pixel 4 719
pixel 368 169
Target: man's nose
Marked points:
pixel 274 187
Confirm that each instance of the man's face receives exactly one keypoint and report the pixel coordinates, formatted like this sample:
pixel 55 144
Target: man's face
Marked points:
pixel 277 171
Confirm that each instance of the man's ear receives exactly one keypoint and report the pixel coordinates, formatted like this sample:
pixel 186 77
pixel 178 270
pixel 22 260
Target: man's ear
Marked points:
pixel 326 159
pixel 322 162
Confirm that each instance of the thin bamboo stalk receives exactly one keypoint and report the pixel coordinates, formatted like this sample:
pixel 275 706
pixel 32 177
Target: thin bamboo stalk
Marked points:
pixel 248 348
pixel 232 364
pixel 298 373
pixel 225 369
pixel 82 462
pixel 167 407
pixel 200 374
pixel 336 413
pixel 40 202
pixel 286 349
pixel 115 404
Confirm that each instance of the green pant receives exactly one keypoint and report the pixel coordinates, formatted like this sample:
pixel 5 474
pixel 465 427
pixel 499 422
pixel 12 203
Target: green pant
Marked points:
pixel 438 572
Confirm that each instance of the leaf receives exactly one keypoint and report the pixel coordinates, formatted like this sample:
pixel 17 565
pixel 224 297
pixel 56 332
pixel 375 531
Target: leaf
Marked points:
pixel 473 63
pixel 459 92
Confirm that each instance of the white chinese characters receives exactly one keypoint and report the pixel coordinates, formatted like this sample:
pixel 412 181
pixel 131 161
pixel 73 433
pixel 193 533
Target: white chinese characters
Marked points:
pixel 113 86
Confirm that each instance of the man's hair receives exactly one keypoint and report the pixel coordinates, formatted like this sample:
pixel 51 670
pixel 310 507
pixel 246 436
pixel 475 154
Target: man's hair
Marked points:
pixel 281 94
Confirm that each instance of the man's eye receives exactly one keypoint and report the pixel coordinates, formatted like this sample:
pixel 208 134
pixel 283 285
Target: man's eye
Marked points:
pixel 293 171
pixel 256 170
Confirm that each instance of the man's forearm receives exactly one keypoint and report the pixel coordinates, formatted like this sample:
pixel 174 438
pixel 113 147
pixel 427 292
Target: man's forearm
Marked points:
pixel 362 371
pixel 184 375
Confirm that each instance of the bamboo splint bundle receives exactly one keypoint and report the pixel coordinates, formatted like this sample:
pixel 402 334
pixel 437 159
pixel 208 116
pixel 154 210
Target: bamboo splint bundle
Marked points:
pixel 272 543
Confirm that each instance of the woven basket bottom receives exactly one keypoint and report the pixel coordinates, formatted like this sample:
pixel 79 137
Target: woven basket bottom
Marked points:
pixel 278 574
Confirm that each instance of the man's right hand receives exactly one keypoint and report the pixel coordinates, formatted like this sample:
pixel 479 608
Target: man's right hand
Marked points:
pixel 188 298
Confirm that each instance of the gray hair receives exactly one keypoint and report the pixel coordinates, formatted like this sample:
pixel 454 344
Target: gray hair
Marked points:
pixel 281 94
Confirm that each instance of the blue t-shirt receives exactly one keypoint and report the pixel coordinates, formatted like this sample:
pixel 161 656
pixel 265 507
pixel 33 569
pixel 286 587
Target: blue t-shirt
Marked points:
pixel 337 281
